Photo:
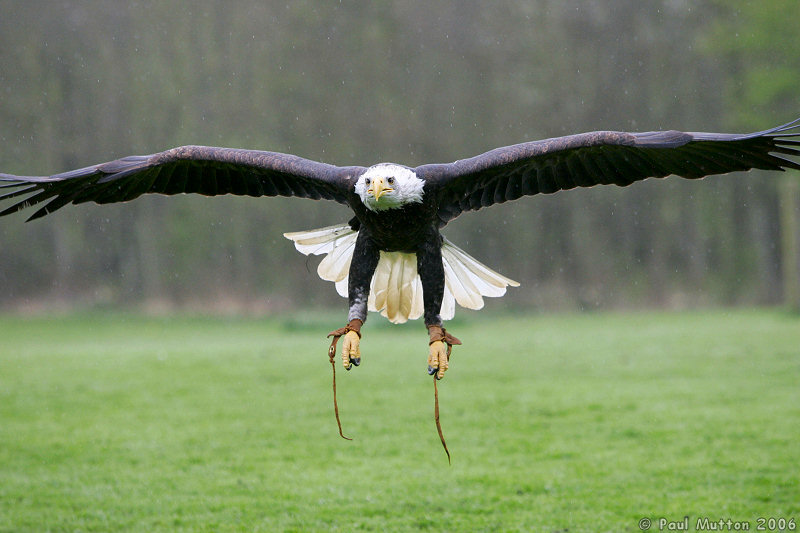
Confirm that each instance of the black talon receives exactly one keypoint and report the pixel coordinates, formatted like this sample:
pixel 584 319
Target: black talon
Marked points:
pixel 356 361
pixel 431 370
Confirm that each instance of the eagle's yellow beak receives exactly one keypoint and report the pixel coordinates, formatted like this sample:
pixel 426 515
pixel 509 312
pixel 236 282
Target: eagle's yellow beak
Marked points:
pixel 378 188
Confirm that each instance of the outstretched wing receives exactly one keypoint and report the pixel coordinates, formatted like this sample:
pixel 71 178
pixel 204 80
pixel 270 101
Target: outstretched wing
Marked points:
pixel 203 170
pixel 602 157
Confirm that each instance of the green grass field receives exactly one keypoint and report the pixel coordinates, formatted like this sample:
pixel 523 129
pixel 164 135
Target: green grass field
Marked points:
pixel 555 423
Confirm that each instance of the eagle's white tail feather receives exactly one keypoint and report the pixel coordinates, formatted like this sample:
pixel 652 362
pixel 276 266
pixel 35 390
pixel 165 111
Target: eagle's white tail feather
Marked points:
pixel 448 310
pixel 341 288
pixel 459 283
pixel 338 239
pixel 336 265
pixel 417 304
pixel 320 241
pixel 485 275
pixel 396 289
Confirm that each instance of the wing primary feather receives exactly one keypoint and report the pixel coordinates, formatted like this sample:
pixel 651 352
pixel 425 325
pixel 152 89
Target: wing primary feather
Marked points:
pixel 27 202
pixel 545 178
pixel 671 162
pixel 501 188
pixel 180 177
pixel 267 186
pixel 644 165
pixel 163 182
pixel 101 194
pixel 487 194
pixel 624 174
pixel 207 177
pixel 52 205
pixel 15 183
pixel 752 158
pixel 775 162
pixel 255 184
pixel 723 160
pixel 281 186
pixel 223 180
pixel 530 182
pixel 597 167
pixel 514 186
pixel 787 163
pixel 137 187
pixel 19 192
pixel 569 175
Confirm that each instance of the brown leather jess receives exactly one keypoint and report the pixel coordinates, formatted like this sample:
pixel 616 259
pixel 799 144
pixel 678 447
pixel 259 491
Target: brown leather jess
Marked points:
pixel 438 333
pixel 353 325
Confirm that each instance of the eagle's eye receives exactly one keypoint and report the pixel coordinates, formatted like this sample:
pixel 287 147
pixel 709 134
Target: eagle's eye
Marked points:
pixel 390 180
pixel 367 181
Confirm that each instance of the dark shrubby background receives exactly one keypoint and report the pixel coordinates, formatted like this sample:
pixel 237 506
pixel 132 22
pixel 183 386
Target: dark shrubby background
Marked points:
pixel 409 82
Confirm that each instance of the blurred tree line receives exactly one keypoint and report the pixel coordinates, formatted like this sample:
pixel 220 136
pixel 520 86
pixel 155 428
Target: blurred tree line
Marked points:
pixel 410 82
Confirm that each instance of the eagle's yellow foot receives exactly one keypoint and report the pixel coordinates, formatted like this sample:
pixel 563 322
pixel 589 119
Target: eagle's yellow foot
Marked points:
pixel 437 359
pixel 351 351
pixel 439 347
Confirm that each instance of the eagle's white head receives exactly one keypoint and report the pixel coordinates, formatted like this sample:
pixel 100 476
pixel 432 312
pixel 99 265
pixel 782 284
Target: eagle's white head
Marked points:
pixel 388 186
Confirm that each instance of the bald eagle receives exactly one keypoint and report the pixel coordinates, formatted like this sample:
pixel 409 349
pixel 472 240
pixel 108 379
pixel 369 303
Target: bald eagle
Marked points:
pixel 391 256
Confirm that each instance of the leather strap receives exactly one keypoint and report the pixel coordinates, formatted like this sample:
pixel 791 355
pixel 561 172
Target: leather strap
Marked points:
pixel 353 325
pixel 438 333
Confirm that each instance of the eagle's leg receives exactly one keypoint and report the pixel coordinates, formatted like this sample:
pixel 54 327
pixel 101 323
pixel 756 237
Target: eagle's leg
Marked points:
pixel 365 259
pixel 438 360
pixel 351 353
pixel 431 269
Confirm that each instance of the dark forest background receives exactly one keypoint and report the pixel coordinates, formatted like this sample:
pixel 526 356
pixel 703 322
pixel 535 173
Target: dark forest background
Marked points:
pixel 409 82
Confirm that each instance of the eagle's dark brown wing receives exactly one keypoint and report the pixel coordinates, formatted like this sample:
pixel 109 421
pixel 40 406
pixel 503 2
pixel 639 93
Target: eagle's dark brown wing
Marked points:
pixel 204 170
pixel 603 157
